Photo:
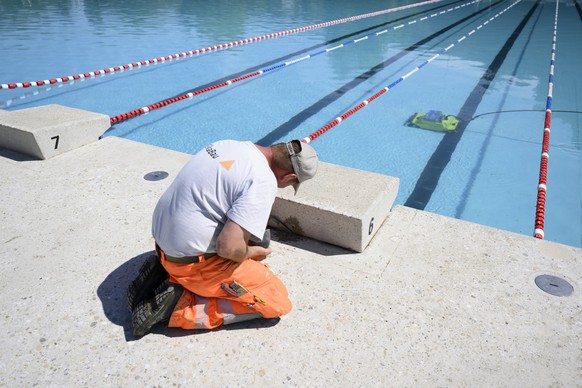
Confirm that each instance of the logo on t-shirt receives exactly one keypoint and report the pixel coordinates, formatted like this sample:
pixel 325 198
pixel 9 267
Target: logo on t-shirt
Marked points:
pixel 211 151
pixel 227 164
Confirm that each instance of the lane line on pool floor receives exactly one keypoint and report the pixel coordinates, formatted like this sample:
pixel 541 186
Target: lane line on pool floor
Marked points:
pixel 431 174
pixel 489 134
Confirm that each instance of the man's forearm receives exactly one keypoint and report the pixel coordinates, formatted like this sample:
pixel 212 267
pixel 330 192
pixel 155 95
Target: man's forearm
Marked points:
pixel 232 244
pixel 250 252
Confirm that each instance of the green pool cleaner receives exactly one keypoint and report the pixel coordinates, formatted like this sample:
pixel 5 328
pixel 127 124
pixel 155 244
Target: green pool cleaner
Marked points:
pixel 433 120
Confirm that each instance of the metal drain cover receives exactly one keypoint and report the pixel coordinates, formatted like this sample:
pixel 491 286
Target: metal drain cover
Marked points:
pixel 155 176
pixel 554 285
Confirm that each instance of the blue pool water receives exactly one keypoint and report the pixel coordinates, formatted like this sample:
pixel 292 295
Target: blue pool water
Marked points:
pixel 486 173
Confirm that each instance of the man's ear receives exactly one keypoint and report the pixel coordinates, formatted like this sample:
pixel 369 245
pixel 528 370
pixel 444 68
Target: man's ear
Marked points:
pixel 290 177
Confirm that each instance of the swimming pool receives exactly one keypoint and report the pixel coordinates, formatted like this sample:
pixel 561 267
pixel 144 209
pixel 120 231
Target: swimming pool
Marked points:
pixel 496 80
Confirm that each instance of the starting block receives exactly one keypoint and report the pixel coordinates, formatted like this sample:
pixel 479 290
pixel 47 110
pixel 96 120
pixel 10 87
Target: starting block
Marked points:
pixel 340 205
pixel 50 130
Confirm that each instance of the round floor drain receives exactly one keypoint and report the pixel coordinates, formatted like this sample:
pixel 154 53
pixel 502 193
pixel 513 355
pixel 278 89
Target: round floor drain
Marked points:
pixel 155 176
pixel 554 285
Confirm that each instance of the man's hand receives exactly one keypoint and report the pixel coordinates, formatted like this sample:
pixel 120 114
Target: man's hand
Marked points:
pixel 262 256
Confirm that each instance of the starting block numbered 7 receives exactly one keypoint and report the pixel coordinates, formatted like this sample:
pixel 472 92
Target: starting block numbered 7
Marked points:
pixel 50 130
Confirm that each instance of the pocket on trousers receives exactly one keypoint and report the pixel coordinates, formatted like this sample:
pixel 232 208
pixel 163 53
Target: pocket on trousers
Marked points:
pixel 269 298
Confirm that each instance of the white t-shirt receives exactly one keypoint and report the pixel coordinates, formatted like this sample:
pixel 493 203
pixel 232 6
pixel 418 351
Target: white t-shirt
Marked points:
pixel 226 180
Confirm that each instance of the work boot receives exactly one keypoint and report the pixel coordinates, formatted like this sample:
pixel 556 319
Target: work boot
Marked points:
pixel 151 274
pixel 157 309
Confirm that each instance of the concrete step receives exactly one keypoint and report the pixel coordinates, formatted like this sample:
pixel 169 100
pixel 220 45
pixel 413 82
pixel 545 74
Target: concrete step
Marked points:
pixel 340 205
pixel 50 130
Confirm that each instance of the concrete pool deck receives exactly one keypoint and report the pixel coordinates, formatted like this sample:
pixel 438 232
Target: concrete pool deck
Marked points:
pixel 432 301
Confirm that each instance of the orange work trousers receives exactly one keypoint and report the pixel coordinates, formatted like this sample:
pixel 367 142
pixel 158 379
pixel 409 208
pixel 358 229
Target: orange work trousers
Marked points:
pixel 220 291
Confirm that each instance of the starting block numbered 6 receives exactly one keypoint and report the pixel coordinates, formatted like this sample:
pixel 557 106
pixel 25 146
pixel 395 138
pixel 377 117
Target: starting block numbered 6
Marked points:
pixel 340 205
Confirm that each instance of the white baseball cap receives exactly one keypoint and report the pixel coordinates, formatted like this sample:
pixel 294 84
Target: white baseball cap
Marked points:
pixel 304 162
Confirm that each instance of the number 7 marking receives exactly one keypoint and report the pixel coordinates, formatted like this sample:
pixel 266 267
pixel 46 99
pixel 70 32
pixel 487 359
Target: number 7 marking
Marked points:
pixel 56 139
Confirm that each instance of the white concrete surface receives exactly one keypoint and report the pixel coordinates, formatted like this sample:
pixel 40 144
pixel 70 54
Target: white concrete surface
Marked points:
pixel 432 301
pixel 340 205
pixel 50 130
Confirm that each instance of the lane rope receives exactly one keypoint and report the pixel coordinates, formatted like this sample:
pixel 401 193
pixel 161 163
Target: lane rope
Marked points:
pixel 541 197
pixel 136 112
pixel 364 103
pixel 205 50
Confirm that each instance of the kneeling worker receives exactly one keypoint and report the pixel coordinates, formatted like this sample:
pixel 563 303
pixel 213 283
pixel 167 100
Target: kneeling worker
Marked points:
pixel 205 226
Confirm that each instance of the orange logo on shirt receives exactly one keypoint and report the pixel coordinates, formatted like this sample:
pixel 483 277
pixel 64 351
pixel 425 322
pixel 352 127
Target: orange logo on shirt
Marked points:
pixel 227 164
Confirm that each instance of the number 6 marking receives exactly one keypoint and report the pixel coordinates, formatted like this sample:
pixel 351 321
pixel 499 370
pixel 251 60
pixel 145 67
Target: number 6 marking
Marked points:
pixel 371 227
pixel 56 139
